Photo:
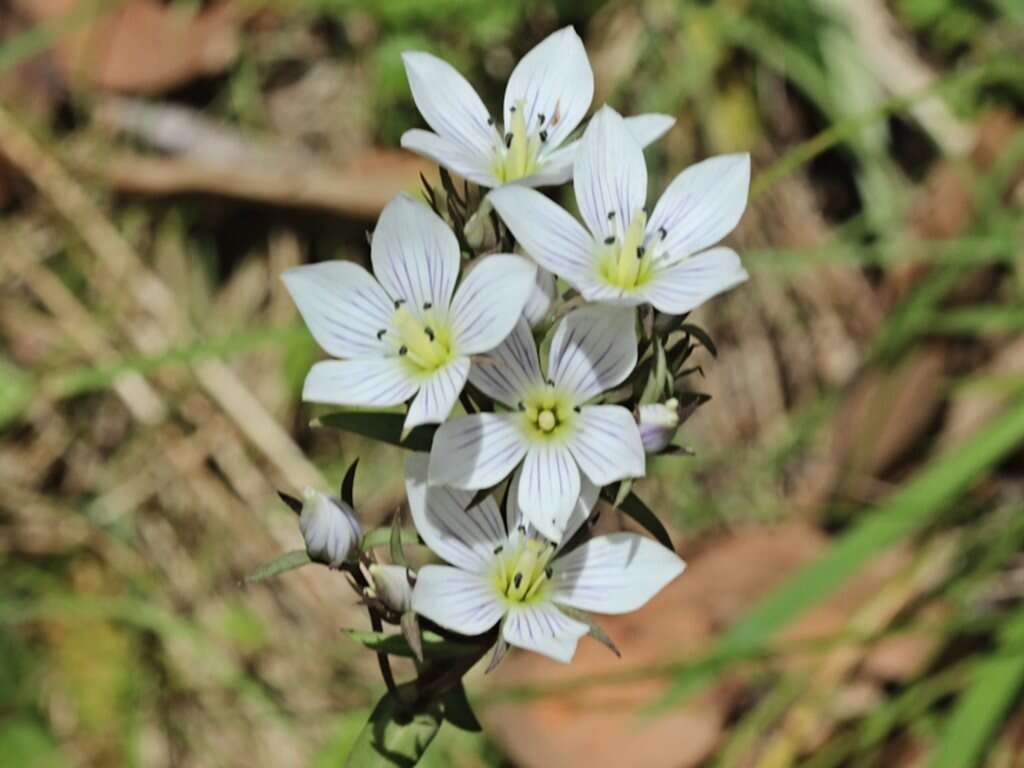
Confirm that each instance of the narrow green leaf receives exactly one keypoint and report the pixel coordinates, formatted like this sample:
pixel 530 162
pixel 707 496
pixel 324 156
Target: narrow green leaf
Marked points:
pixel 378 537
pixel 458 711
pixel 348 485
pixel 395 542
pixel 393 736
pixel 633 506
pixel 702 336
pixel 932 490
pixel 289 561
pixel 383 427
pixel 434 646
pixel 995 682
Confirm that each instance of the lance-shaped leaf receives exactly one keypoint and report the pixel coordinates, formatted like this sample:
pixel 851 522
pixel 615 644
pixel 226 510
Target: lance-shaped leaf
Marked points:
pixel 434 646
pixel 348 485
pixel 286 562
pixel 458 711
pixel 395 735
pixel 596 630
pixel 383 427
pixel 633 506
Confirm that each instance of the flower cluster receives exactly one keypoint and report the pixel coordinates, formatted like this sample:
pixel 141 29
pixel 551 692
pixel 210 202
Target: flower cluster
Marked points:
pixel 539 359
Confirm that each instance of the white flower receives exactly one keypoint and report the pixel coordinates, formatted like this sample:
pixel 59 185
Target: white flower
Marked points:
pixel 658 423
pixel 546 97
pixel 625 258
pixel 329 527
pixel 391 585
pixel 501 570
pixel 549 427
pixel 406 329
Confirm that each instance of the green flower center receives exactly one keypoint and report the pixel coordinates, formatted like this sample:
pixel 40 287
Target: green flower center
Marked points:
pixel 425 342
pixel 625 262
pixel 546 413
pixel 518 157
pixel 522 571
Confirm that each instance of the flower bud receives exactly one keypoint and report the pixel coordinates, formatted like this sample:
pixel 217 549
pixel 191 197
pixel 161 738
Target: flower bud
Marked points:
pixel 541 298
pixel 479 230
pixel 390 584
pixel 329 527
pixel 658 424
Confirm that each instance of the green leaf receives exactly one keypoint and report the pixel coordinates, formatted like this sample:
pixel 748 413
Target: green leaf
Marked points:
pixel 932 490
pixel 383 427
pixel 702 336
pixel 395 541
pixel 289 561
pixel 458 711
pixel 434 646
pixel 378 537
pixel 393 736
pixel 996 680
pixel 348 485
pixel 633 506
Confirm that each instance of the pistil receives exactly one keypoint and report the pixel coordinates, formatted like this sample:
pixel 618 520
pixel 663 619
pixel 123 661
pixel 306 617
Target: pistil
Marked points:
pixel 419 342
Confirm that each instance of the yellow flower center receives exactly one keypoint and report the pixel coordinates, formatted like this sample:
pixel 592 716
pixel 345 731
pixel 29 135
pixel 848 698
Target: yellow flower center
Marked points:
pixel 546 413
pixel 424 341
pixel 625 262
pixel 522 570
pixel 518 158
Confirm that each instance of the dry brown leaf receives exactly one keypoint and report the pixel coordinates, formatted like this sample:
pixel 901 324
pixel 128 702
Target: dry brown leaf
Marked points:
pixel 141 46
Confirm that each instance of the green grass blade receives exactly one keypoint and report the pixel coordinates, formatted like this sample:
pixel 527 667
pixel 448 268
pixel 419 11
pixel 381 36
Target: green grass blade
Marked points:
pixel 995 682
pixel 923 497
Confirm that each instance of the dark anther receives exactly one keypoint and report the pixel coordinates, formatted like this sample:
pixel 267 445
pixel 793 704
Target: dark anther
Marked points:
pixel 611 215
pixel 427 305
pixel 551 383
pixel 517 580
pixel 380 333
pixel 609 240
pixel 640 252
pixel 402 350
pixel 663 232
pixel 522 529
pixel 508 140
pixel 497 549
pixel 490 121
pixel 577 408
pixel 540 118
pixel 548 572
pixel 512 108
pixel 521 406
pixel 543 135
pixel 399 302
pixel 429 331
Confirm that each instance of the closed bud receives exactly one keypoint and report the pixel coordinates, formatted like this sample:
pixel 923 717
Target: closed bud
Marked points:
pixel 479 230
pixel 390 584
pixel 330 528
pixel 658 423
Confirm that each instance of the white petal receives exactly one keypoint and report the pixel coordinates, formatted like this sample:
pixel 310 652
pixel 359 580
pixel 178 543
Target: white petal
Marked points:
pixel 547 232
pixel 545 290
pixel 415 255
pixel 438 394
pixel 343 306
pixel 476 451
pixel 511 369
pixel 448 103
pixel 368 382
pixel 554 80
pixel 329 527
pixel 542 628
pixel 490 300
pixel 650 127
pixel 462 602
pixel 616 573
pixel 464 538
pixel 610 176
pixel 607 444
pixel 702 204
pixel 469 165
pixel 391 586
pixel 549 487
pixel 685 286
pixel 580 513
pixel 593 350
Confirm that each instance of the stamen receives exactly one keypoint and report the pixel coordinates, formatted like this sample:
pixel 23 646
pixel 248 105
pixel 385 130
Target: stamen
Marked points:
pixel 490 120
pixel 403 350
pixel 611 215
pixel 508 140
pixel 609 240
pixel 640 252
pixel 551 382
pixel 549 571
pixel 498 549
pixel 662 232
pixel 543 135
pixel 578 409
pixel 517 580
pixel 521 406
pixel 429 331
pixel 427 305
pixel 512 109
pixel 540 119
pixel 399 302
pixel 380 333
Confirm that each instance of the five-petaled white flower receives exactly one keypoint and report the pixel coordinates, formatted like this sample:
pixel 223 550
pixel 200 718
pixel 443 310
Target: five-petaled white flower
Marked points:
pixel 501 570
pixel 546 97
pixel 550 427
pixel 409 330
pixel 626 258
